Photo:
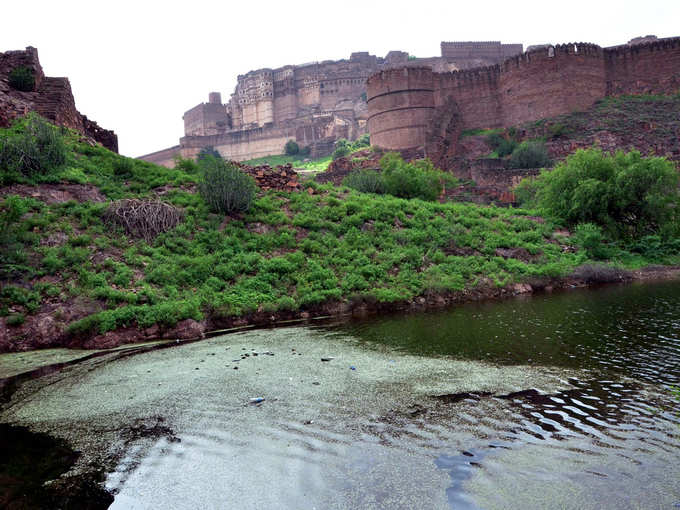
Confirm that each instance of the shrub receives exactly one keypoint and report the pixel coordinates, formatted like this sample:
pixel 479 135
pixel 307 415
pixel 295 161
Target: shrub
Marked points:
pixel 557 130
pixel 122 167
pixel 186 165
pixel 16 319
pixel 626 194
pixel 419 179
pixel 342 149
pixel 38 149
pixel 363 141
pixel 367 181
pixel 530 155
pixel 12 230
pixel 305 151
pixel 291 148
pixel 22 78
pixel 143 218
pixel 224 187
pixel 590 237
pixel 596 273
pixel 502 145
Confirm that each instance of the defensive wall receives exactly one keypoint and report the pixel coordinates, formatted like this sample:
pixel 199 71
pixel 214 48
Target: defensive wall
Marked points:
pixel 52 98
pixel 414 106
pixel 314 103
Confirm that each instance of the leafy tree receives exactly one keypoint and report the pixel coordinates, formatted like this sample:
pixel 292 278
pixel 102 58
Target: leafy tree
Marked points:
pixel 626 194
pixel 291 148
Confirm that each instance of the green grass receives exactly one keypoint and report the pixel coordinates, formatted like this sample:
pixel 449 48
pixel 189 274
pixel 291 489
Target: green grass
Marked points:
pixel 318 165
pixel 289 251
pixel 481 132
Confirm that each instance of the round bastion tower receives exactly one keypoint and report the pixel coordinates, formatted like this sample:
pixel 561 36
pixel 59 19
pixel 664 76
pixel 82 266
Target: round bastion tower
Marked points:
pixel 400 107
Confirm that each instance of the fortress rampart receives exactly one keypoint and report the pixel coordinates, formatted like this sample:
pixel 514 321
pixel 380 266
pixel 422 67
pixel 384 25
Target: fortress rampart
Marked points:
pixel 407 106
pixel 314 103
pixel 51 98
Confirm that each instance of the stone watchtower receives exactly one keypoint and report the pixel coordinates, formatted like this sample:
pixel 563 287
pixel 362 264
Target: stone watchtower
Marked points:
pixel 400 105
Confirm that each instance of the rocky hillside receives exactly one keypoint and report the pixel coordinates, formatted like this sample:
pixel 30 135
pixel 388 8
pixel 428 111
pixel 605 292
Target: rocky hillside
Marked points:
pixel 25 88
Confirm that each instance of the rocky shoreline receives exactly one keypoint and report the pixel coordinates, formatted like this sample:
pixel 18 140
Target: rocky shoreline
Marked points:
pixel 43 330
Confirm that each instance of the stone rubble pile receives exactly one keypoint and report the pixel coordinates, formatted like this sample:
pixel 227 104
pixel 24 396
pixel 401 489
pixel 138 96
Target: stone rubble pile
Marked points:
pixel 279 178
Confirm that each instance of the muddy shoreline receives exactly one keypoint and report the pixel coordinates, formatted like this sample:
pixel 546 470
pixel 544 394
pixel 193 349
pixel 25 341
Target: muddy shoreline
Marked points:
pixel 40 331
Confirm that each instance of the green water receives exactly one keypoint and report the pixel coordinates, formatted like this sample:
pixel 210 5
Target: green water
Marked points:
pixel 629 330
pixel 553 401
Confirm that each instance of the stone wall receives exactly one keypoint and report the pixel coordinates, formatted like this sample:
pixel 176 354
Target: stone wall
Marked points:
pixel 406 104
pixel 478 53
pixel 402 105
pixel 647 68
pixel 51 98
pixel 165 157
pixel 316 103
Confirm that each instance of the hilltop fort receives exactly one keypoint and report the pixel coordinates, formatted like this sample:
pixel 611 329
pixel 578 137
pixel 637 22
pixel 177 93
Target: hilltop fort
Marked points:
pixel 314 104
pixel 420 108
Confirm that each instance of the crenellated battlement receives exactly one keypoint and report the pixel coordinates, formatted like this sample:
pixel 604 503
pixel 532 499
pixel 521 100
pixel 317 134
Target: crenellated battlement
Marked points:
pixel 543 82
pixel 624 50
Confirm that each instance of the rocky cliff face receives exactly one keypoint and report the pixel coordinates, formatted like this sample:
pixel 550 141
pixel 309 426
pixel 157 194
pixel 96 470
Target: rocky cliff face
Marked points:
pixel 50 97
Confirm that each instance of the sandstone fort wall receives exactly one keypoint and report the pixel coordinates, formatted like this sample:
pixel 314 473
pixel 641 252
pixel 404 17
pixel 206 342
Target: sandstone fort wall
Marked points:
pixel 405 104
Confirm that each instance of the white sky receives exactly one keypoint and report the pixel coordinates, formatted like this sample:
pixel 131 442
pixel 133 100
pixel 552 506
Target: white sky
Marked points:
pixel 136 67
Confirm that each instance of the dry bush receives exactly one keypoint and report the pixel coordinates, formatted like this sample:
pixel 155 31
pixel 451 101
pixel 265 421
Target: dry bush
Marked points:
pixel 595 273
pixel 143 218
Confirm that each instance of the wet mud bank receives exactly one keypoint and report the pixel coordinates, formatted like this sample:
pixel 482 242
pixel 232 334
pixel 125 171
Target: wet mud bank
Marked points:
pixel 32 466
pixel 190 329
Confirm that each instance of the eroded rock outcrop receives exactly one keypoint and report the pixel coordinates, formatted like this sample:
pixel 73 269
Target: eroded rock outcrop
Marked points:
pixel 50 97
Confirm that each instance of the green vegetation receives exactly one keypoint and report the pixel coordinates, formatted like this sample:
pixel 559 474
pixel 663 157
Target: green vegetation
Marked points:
pixel 530 154
pixel 32 153
pixel 318 165
pixel 208 152
pixel 22 78
pixel 298 161
pixel 344 147
pixel 419 179
pixel 481 132
pixel 366 181
pixel 502 145
pixel 291 148
pixel 224 187
pixel 623 197
pixel 286 251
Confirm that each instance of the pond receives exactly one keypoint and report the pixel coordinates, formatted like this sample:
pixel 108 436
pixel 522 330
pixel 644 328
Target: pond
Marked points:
pixel 552 401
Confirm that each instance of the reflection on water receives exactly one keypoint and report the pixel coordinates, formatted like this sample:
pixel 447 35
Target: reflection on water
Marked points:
pixel 391 433
pixel 625 336
pixel 611 440
pixel 630 330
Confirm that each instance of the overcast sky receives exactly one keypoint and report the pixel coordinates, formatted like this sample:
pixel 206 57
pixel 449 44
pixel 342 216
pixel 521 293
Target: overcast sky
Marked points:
pixel 136 67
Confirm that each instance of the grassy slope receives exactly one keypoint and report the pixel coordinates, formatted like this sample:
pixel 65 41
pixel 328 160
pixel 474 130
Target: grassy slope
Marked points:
pixel 290 251
pixel 318 165
pixel 650 117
